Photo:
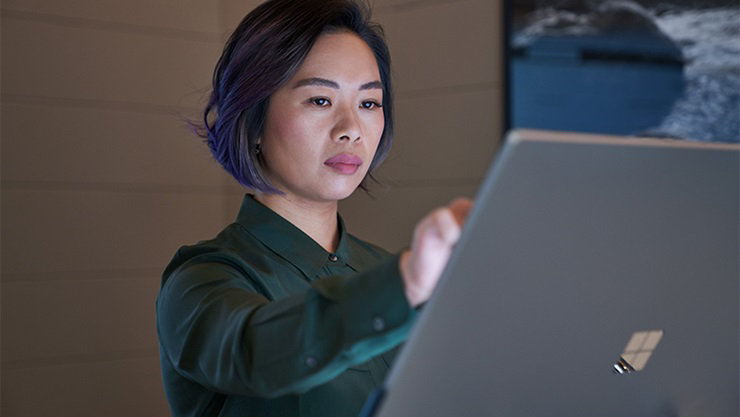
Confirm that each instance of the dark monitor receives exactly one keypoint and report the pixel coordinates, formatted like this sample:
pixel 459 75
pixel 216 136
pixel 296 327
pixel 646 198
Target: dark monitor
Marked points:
pixel 659 68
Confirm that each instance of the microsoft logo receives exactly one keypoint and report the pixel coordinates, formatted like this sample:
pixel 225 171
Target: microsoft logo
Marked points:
pixel 638 351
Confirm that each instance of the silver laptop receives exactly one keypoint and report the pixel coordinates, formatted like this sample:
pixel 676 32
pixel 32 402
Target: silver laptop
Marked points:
pixel 596 276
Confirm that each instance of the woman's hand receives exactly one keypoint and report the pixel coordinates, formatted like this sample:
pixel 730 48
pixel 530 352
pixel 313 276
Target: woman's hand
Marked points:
pixel 434 237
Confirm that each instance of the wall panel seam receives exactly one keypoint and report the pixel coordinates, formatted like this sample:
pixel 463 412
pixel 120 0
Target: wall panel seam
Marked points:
pixel 109 105
pixel 15 278
pixel 79 359
pixel 114 27
pixel 448 90
pixel 110 187
pixel 430 182
pixel 412 5
pixel 123 272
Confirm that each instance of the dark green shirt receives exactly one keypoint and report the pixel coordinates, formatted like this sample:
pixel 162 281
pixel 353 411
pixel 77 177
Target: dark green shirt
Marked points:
pixel 262 321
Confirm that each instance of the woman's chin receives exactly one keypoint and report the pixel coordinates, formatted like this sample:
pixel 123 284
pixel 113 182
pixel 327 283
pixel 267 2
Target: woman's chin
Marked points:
pixel 339 190
pixel 341 193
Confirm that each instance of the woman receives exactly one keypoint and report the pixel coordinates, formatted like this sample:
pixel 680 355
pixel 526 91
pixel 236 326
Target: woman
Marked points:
pixel 284 313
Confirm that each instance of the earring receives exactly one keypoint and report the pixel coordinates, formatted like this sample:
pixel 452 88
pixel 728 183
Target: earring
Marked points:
pixel 257 149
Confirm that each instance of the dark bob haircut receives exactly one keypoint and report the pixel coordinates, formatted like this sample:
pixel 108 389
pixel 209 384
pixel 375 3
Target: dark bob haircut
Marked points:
pixel 263 53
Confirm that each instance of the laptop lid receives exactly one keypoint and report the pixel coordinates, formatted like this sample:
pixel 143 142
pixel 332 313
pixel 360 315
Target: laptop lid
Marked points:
pixel 596 276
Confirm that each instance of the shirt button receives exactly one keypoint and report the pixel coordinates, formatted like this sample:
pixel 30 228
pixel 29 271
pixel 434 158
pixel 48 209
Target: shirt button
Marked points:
pixel 311 362
pixel 378 324
pixel 333 257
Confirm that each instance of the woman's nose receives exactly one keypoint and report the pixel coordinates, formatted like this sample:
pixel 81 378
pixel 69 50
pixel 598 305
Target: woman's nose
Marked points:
pixel 347 126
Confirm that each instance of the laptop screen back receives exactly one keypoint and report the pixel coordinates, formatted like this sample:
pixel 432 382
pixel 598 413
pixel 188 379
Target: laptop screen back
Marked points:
pixel 581 251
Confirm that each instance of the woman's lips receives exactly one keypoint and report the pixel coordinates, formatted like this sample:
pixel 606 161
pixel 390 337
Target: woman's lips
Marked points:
pixel 344 163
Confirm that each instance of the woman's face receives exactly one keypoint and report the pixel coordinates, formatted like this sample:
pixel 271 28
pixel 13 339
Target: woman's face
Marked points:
pixel 324 125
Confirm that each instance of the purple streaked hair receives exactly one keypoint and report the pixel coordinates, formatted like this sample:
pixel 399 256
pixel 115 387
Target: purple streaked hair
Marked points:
pixel 263 53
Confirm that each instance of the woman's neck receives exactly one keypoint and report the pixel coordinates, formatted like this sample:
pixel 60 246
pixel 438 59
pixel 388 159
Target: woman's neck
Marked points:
pixel 317 220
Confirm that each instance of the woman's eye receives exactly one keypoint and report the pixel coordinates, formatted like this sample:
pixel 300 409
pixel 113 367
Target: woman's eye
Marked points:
pixel 371 104
pixel 320 101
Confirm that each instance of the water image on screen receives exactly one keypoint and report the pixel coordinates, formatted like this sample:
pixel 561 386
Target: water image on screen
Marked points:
pixel 656 68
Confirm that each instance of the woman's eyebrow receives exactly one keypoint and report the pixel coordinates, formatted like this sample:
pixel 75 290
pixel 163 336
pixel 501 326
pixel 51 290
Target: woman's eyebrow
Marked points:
pixel 333 84
pixel 316 81
pixel 372 85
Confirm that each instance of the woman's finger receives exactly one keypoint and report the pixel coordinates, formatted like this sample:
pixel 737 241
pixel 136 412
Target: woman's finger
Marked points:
pixel 446 225
pixel 460 209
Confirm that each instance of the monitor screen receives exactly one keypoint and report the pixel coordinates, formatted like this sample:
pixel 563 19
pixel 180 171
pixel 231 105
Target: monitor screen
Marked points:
pixel 660 68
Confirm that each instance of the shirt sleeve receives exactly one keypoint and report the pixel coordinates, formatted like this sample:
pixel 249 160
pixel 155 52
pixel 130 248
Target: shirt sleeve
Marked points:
pixel 218 331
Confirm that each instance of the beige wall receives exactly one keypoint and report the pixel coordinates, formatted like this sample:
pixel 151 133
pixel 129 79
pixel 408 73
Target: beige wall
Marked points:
pixel 101 181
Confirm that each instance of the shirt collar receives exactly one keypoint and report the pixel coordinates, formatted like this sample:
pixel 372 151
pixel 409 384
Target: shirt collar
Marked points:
pixel 290 242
